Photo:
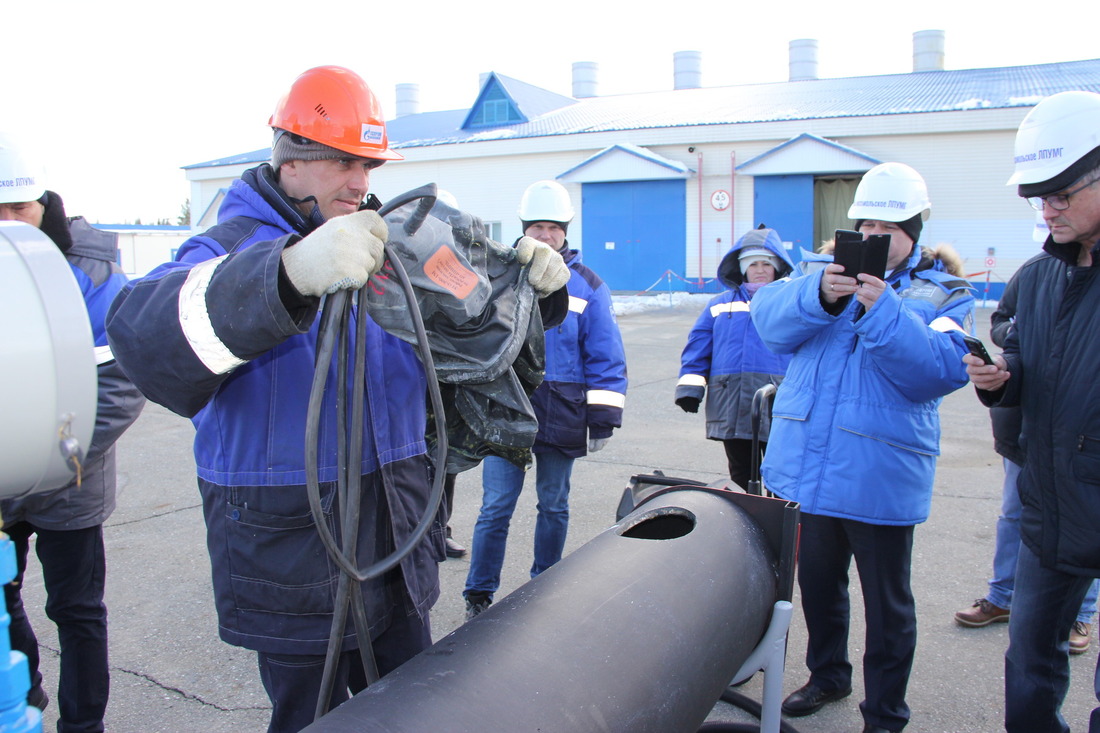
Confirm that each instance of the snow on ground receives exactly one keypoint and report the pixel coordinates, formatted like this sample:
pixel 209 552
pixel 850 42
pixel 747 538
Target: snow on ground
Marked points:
pixel 640 303
pixel 627 304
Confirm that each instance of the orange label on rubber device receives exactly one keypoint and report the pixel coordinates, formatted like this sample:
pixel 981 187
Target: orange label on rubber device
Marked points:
pixel 444 269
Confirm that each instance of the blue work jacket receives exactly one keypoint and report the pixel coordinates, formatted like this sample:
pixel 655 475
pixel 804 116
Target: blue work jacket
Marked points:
pixel 855 424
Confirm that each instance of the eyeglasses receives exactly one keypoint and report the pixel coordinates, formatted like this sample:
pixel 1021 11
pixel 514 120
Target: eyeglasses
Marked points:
pixel 1058 201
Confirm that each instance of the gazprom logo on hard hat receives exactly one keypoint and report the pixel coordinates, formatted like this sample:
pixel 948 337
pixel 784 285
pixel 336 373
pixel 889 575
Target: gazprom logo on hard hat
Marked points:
pixel 372 134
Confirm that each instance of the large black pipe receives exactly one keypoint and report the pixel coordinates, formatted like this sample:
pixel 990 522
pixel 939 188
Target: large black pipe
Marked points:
pixel 641 629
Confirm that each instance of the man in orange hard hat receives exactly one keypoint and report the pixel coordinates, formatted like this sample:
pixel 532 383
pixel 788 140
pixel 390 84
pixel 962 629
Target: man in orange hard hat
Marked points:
pixel 232 324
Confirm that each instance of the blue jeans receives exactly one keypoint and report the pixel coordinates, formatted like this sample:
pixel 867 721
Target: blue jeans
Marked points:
pixel 73 572
pixel 1037 660
pixel 502 483
pixel 1008 549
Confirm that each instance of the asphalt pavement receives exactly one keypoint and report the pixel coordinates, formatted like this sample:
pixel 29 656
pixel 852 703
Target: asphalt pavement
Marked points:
pixel 171 673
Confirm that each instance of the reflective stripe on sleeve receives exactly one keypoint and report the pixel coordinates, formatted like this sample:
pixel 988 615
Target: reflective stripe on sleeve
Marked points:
pixel 943 324
pixel 606 397
pixel 103 355
pixel 735 306
pixel 577 305
pixel 692 380
pixel 195 320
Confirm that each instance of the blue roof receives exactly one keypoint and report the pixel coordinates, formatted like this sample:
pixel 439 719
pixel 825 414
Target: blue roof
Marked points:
pixel 256 156
pixel 548 113
pixel 862 96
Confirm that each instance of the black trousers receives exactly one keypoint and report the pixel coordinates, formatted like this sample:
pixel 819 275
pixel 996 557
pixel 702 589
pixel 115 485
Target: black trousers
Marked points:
pixel 73 571
pixel 739 458
pixel 293 681
pixel 883 556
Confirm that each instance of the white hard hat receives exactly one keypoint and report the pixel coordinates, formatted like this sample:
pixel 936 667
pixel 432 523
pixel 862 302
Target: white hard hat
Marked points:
pixel 890 192
pixel 21 176
pixel 1058 132
pixel 546 201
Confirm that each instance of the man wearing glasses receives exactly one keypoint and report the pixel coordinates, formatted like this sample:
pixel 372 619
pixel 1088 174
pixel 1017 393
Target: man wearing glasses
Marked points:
pixel 1049 369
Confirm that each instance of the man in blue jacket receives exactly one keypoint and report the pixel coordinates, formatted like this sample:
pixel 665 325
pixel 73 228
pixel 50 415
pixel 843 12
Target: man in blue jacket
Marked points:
pixel 578 406
pixel 855 435
pixel 227 334
pixel 1049 369
pixel 68 522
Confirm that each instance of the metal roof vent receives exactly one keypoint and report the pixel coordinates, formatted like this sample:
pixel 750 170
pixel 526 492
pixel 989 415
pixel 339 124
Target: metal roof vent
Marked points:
pixel 928 50
pixel 408 99
pixel 687 70
pixel 584 78
pixel 803 59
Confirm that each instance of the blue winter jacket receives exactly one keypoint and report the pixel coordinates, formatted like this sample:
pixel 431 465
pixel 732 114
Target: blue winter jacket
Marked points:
pixel 725 356
pixel 584 391
pixel 221 336
pixel 855 425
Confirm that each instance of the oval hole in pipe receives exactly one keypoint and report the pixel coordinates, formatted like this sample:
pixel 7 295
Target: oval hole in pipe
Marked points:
pixel 666 523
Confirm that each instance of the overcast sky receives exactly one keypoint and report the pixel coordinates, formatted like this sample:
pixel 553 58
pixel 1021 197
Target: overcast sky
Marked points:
pixel 119 94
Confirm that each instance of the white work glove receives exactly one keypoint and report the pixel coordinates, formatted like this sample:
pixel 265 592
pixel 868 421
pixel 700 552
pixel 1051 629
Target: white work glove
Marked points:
pixel 548 272
pixel 596 444
pixel 340 255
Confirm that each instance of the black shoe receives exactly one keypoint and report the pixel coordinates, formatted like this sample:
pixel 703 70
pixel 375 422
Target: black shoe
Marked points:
pixel 810 698
pixel 868 728
pixel 454 549
pixel 477 603
pixel 37 697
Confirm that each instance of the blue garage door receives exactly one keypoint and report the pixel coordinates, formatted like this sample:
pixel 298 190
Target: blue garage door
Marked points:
pixel 633 231
pixel 786 204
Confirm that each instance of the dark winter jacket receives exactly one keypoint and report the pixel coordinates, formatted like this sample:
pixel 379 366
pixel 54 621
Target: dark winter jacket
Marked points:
pixel 724 356
pixel 584 391
pixel 1052 355
pixel 92 255
pixel 222 336
pixel 1007 421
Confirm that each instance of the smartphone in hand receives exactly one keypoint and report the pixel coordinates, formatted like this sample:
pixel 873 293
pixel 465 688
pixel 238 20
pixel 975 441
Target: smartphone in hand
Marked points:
pixel 977 348
pixel 858 255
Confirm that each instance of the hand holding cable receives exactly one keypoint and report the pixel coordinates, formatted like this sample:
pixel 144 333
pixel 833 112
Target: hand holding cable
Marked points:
pixel 340 255
pixel 548 272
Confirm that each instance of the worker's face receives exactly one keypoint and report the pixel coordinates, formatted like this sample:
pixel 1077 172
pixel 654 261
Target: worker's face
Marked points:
pixel 339 185
pixel 901 245
pixel 760 271
pixel 28 212
pixel 549 232
pixel 1081 221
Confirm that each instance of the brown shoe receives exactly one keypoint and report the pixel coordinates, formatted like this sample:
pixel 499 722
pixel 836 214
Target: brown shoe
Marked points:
pixel 981 613
pixel 1079 637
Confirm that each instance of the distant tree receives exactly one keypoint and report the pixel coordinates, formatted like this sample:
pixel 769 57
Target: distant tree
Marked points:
pixel 184 219
pixel 164 222
pixel 137 222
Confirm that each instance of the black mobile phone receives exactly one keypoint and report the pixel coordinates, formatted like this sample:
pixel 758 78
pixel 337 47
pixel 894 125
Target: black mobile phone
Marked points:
pixel 858 255
pixel 977 348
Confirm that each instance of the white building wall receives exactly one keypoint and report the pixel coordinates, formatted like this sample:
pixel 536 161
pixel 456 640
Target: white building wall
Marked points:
pixel 965 157
pixel 141 251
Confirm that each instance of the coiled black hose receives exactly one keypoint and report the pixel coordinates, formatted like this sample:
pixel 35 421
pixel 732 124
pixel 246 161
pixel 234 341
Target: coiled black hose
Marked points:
pixel 333 337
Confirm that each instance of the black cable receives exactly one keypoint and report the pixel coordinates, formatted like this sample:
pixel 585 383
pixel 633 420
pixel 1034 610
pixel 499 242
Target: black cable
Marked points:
pixel 334 320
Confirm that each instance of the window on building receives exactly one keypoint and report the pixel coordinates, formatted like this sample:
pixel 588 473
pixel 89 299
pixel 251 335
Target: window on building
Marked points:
pixel 495 109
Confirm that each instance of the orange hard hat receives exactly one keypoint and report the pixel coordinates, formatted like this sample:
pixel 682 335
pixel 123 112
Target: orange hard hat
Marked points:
pixel 333 106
